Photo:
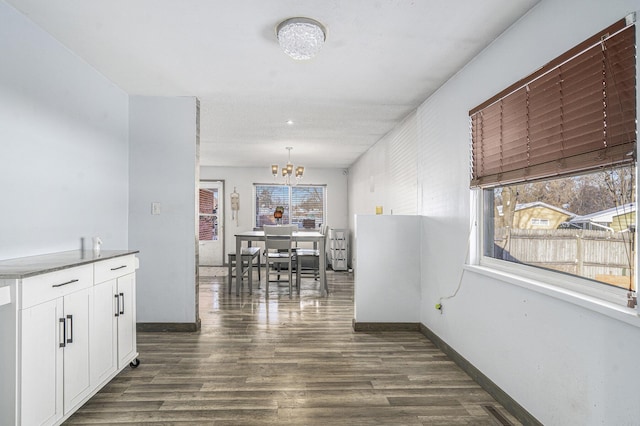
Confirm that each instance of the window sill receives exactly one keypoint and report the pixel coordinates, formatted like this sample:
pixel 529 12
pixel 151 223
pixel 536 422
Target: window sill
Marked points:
pixel 621 313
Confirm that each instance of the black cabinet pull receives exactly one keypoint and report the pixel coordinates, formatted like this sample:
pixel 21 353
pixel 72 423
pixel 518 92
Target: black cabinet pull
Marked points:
pixel 119 267
pixel 117 304
pixel 122 307
pixel 64 333
pixel 70 324
pixel 68 282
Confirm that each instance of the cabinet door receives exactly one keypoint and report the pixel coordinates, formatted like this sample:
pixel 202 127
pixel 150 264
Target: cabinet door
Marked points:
pixel 104 333
pixel 41 363
pixel 77 382
pixel 126 319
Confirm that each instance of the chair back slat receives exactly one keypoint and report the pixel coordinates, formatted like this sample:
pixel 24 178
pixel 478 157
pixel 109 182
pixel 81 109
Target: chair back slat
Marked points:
pixel 278 237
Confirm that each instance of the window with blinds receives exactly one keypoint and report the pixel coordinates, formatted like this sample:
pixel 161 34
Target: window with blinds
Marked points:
pixel 555 157
pixel 303 205
pixel 575 114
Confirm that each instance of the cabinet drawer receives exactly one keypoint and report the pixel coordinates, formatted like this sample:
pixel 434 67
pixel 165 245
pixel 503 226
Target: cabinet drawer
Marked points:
pixel 52 285
pixel 109 269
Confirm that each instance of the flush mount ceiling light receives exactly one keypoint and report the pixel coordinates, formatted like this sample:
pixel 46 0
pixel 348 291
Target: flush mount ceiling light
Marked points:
pixel 301 38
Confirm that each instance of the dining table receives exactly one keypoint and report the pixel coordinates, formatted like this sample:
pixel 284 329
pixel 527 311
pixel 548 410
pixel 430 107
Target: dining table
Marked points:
pixel 316 237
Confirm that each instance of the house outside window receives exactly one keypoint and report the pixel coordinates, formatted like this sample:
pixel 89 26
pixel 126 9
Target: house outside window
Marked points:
pixel 302 205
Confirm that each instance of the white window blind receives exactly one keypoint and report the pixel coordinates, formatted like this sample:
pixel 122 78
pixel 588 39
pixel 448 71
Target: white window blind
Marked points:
pixel 307 206
pixel 304 205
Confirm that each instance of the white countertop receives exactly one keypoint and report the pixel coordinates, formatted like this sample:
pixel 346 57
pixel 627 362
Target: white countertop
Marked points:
pixel 24 267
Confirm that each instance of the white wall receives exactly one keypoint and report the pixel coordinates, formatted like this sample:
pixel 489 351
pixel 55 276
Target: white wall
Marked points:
pixel 387 268
pixel 386 175
pixel 564 363
pixel 63 146
pixel 163 169
pixel 243 178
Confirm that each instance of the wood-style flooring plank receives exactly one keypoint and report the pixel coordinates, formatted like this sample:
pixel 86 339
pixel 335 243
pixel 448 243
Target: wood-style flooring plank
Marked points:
pixel 262 360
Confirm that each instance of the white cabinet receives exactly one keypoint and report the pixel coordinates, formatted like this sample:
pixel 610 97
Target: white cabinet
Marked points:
pixel 114 317
pixel 76 348
pixel 41 392
pixel 54 349
pixel 104 351
pixel 127 348
pixel 64 333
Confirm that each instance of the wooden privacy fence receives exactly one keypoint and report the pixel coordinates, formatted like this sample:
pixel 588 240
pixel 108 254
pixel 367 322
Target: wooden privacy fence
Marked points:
pixel 600 255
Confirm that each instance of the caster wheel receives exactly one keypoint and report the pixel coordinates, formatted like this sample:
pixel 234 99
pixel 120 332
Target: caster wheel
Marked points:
pixel 135 363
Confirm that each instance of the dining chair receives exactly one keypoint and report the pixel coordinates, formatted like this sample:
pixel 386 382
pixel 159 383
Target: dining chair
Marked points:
pixel 278 249
pixel 310 253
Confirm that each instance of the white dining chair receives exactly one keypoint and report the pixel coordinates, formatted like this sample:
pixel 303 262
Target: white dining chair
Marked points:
pixel 310 253
pixel 279 251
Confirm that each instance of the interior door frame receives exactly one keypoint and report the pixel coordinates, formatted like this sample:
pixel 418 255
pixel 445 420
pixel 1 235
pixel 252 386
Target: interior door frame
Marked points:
pixel 221 212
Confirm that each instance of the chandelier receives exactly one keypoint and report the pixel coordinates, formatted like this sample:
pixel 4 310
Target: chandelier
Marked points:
pixel 301 38
pixel 288 170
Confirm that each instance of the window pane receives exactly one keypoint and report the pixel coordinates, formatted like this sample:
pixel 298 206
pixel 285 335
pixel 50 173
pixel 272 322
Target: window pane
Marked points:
pixel 206 228
pixel 581 225
pixel 208 207
pixel 268 198
pixel 303 205
pixel 307 206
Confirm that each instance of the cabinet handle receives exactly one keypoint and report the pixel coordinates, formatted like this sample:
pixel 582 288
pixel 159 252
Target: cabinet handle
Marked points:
pixel 119 267
pixel 122 307
pixel 68 282
pixel 70 324
pixel 64 333
pixel 117 304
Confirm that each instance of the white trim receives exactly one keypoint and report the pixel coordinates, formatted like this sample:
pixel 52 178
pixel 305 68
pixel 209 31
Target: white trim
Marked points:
pixel 569 282
pixel 612 310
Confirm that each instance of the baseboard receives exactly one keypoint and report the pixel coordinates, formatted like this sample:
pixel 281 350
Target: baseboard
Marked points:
pixel 385 326
pixel 487 384
pixel 168 326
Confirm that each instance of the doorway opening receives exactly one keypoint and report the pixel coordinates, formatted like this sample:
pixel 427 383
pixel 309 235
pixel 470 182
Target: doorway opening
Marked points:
pixel 211 223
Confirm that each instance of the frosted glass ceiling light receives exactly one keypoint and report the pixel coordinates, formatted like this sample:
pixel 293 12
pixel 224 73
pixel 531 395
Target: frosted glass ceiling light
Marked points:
pixel 301 38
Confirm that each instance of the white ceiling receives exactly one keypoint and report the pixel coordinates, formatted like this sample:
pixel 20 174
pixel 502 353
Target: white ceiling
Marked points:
pixel 382 59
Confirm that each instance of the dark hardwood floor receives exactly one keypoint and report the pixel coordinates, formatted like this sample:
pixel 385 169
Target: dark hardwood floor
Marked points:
pixel 275 360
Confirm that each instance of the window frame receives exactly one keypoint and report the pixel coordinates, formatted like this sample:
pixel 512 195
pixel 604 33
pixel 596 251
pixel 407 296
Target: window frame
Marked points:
pixel 555 281
pixel 290 201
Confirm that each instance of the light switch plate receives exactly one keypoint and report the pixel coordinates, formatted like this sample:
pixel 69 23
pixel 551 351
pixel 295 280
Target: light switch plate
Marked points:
pixel 155 208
